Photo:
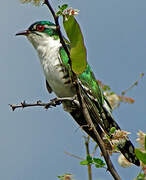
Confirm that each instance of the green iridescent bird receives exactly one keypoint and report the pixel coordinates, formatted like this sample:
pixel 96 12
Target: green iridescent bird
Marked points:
pixel 54 61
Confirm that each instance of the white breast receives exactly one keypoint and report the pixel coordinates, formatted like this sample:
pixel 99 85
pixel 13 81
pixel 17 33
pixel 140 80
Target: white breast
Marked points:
pixel 51 62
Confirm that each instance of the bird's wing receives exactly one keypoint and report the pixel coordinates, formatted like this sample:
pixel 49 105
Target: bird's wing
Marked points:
pixel 95 94
pixel 103 120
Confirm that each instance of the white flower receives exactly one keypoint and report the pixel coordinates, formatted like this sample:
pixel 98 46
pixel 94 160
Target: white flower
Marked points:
pixel 113 99
pixel 141 139
pixel 68 177
pixel 71 12
pixel 144 169
pixel 119 137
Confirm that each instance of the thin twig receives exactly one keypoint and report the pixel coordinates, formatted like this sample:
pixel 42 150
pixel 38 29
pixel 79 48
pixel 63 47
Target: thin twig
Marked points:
pixel 134 84
pixel 94 150
pixel 75 156
pixel 53 103
pixel 88 154
pixel 58 28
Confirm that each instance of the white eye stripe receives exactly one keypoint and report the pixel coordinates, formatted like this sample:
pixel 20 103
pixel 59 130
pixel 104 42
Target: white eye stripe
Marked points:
pixel 51 27
pixel 46 26
pixel 34 27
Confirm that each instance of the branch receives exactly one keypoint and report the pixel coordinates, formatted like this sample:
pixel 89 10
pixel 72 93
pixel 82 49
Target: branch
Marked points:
pixel 58 28
pixel 94 150
pixel 110 166
pixel 88 154
pixel 73 155
pixel 134 84
pixel 53 103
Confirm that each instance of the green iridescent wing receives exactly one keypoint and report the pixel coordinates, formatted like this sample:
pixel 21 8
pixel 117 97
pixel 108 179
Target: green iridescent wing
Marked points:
pixel 87 79
pixel 91 85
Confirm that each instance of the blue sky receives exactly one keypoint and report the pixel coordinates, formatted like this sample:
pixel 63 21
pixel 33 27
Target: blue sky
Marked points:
pixel 33 140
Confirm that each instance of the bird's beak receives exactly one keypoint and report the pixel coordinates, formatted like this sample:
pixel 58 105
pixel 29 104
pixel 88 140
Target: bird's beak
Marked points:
pixel 24 33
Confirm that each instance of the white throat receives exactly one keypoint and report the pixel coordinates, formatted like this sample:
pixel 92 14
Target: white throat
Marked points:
pixel 47 47
pixel 44 44
pixel 48 52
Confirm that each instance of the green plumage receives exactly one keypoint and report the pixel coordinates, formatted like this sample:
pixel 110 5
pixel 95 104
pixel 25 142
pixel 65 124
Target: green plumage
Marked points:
pixel 55 63
pixel 87 78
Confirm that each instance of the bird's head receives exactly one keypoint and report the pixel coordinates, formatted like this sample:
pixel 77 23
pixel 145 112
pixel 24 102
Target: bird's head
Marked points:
pixel 40 32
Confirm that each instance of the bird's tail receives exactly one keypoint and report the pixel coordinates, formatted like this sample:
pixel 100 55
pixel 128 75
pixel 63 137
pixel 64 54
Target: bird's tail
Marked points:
pixel 124 145
pixel 80 119
pixel 103 121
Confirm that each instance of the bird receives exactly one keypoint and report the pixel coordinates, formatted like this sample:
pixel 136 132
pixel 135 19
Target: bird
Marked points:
pixel 44 37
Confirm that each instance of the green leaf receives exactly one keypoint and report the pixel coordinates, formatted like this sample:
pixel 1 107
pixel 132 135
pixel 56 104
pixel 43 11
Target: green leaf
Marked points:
pixel 63 7
pixel 111 93
pixel 85 162
pixel 98 162
pixel 145 142
pixel 140 177
pixel 106 88
pixel 61 177
pixel 78 50
pixel 141 155
pixel 89 159
pixel 59 13
pixel 112 130
pixel 99 166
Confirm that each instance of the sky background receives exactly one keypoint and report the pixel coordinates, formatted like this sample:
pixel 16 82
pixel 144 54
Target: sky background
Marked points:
pixel 33 140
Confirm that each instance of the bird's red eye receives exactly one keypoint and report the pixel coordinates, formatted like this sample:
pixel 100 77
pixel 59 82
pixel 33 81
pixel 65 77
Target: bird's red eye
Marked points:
pixel 40 28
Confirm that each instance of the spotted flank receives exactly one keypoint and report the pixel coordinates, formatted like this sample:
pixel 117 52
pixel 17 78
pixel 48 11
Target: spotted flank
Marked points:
pixel 127 149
